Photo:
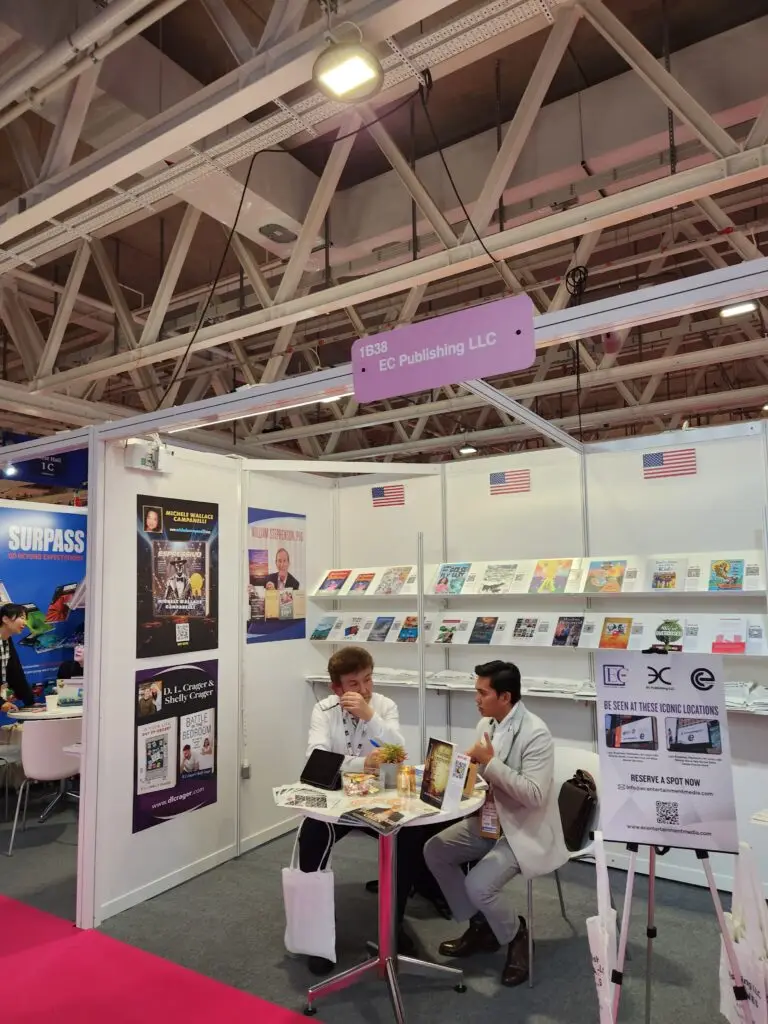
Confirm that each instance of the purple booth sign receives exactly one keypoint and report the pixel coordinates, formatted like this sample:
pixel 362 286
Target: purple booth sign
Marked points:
pixel 479 342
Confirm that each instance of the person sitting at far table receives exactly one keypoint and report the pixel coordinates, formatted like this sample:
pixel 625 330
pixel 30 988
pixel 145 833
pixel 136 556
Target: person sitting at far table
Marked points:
pixel 13 622
pixel 352 721
pixel 518 831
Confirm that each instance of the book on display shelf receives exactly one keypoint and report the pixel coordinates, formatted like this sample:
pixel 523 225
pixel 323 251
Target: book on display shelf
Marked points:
pixel 394 579
pixel 568 631
pixel 446 779
pixel 668 573
pixel 483 629
pixel 615 633
pixel 551 576
pixel 408 632
pixel 334 581
pixel 605 577
pixel 524 630
pixel 726 574
pixel 447 630
pixel 361 582
pixel 451 577
pixel 380 630
pixel 323 629
pixel 498 577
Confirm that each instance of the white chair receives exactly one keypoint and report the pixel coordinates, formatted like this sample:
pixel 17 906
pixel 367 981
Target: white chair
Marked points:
pixel 44 759
pixel 568 760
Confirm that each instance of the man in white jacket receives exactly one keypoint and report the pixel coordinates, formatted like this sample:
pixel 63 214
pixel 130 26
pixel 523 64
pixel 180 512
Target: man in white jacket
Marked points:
pixel 517 832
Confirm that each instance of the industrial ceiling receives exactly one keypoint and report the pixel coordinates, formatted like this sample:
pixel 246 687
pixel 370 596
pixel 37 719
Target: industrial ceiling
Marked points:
pixel 626 137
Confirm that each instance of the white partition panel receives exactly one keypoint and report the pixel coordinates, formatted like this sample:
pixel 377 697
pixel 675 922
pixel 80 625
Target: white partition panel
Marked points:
pixel 544 522
pixel 131 868
pixel 720 509
pixel 277 700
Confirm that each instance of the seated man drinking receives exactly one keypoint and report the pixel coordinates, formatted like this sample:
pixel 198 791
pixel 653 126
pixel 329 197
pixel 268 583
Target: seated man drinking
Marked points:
pixel 518 831
pixel 346 723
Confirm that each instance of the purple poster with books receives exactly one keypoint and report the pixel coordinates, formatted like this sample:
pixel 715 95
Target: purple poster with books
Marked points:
pixel 175 745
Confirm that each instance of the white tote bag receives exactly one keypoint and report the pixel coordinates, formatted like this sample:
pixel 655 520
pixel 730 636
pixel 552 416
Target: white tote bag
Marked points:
pixel 310 921
pixel 747 926
pixel 601 931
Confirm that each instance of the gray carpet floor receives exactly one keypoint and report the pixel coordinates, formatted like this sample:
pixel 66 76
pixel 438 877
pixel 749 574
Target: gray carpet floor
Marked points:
pixel 43 869
pixel 228 924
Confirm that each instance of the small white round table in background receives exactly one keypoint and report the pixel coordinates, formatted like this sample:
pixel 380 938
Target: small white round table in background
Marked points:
pixel 386 960
pixel 28 715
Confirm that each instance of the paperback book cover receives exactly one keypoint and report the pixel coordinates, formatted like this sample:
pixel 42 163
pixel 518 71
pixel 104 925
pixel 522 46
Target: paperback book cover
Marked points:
pixel 394 579
pixel 668 574
pixel 568 631
pixel 726 574
pixel 524 631
pixel 156 756
pixel 180 576
pixel 386 818
pixel 498 577
pixel 482 631
pixel 409 631
pixel 334 581
pixel 324 627
pixel 381 628
pixel 730 636
pixel 353 627
pixel 615 633
pixel 361 582
pixel 445 775
pixel 197 735
pixel 550 576
pixel 451 577
pixel 447 630
pixel 605 577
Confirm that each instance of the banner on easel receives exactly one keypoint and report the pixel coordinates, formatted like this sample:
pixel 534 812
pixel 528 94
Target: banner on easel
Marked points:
pixel 665 760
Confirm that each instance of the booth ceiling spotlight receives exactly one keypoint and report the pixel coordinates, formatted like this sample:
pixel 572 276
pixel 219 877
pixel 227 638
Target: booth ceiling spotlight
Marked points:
pixel 467 449
pixel 740 309
pixel 348 71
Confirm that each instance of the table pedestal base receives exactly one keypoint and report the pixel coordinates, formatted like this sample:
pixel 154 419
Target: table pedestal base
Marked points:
pixel 385 960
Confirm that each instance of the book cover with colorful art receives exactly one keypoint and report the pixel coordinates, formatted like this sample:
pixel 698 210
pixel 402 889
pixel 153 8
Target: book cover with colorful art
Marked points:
pixel 615 633
pixel 334 581
pixel 568 631
pixel 409 631
pixel 726 574
pixel 451 577
pixel 550 576
pixel 381 628
pixel 605 577
pixel 361 582
pixel 394 579
pixel 482 631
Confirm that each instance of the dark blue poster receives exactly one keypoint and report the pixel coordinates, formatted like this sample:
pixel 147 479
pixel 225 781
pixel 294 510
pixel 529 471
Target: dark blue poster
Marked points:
pixel 67 469
pixel 42 561
pixel 276 575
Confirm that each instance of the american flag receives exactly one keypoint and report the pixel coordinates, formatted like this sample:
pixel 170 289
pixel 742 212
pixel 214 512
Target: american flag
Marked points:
pixel 511 481
pixel 679 462
pixel 390 494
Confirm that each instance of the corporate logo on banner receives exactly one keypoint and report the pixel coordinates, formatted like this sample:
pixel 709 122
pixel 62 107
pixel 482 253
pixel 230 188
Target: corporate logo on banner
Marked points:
pixel 42 561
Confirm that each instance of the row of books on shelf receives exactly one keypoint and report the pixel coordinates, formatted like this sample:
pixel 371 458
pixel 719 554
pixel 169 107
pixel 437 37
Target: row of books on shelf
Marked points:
pixel 706 572
pixel 746 696
pixel 692 634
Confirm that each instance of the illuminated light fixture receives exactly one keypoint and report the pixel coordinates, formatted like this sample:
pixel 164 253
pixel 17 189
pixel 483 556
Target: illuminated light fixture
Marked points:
pixel 765 408
pixel 740 309
pixel 467 449
pixel 334 398
pixel 10 470
pixel 348 71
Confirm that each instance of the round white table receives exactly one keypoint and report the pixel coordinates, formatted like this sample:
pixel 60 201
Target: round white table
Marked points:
pixel 28 715
pixel 386 960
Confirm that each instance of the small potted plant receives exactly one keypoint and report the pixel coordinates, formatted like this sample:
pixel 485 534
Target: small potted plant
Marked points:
pixel 392 756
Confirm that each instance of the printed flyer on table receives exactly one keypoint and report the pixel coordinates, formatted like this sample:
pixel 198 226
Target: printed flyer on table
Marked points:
pixel 665 760
pixel 175 742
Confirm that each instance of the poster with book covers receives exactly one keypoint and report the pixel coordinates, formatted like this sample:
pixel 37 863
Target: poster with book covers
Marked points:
pixel 175 748
pixel 451 577
pixel 277 576
pixel 177 599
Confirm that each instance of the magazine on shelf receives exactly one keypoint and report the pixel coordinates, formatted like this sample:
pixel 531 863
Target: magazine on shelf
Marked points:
pixel 605 577
pixel 730 635
pixel 451 577
pixel 323 628
pixel 550 576
pixel 615 633
pixel 334 581
pixel 394 579
pixel 482 630
pixel 498 578
pixel 668 573
pixel 362 582
pixel 524 630
pixel 726 574
pixel 381 627
pixel 409 630
pixel 568 631
pixel 447 631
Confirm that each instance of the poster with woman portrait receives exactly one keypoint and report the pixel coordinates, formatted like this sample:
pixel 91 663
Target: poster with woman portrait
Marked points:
pixel 276 575
pixel 177 599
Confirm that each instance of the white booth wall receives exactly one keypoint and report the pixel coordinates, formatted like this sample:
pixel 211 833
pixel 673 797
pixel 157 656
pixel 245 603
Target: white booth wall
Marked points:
pixel 131 868
pixel 277 701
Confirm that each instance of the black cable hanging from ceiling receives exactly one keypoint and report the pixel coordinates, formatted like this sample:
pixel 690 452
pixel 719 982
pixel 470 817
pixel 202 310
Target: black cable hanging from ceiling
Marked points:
pixel 576 282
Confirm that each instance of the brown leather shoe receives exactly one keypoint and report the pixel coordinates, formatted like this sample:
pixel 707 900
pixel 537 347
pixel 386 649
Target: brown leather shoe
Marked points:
pixel 478 938
pixel 516 968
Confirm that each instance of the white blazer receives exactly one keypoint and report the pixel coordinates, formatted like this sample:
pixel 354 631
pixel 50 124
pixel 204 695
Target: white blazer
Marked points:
pixel 326 730
pixel 521 775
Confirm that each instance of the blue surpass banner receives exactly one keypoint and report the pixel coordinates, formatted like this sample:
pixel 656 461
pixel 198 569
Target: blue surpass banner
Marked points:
pixel 42 560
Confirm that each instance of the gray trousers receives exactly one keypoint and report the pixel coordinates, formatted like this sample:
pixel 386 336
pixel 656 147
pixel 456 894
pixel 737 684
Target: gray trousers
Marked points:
pixel 482 890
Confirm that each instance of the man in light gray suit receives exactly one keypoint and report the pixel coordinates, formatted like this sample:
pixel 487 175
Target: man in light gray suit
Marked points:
pixel 517 832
